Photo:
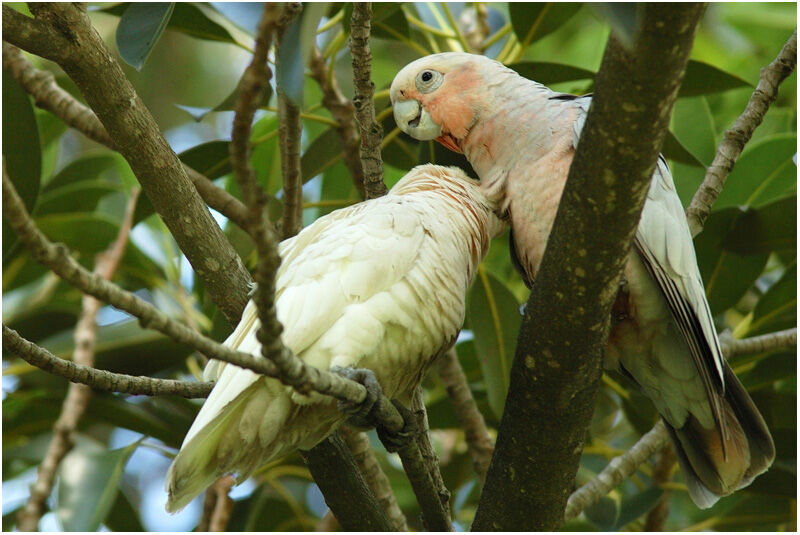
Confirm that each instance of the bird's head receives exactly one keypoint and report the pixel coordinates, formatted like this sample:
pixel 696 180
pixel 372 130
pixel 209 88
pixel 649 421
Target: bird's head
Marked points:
pixel 441 96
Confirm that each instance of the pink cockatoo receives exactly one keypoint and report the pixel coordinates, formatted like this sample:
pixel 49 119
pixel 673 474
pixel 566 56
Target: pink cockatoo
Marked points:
pixel 520 138
pixel 379 285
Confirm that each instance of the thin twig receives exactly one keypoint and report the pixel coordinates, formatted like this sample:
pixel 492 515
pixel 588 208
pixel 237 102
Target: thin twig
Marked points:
pixel 224 504
pixel 368 464
pixel 476 434
pixel 740 133
pixel 661 474
pixel 371 131
pixel 618 469
pixel 343 112
pixel 48 95
pixel 758 344
pixel 289 132
pixel 436 514
pixel 57 258
pixel 78 395
pixel 99 379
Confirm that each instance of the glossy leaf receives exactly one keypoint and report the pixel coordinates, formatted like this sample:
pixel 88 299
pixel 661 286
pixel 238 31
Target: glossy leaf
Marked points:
pixel 294 50
pixel 772 368
pixel 622 17
pixel 633 507
pixel 764 172
pixel 726 275
pixel 604 512
pixel 701 79
pixel 191 20
pixel 777 308
pixel 672 149
pixel 322 153
pixel 88 486
pixel 436 153
pixel 388 21
pixel 77 197
pixel 21 149
pixel 493 315
pixel 773 227
pixel 86 233
pixel 123 516
pixel 104 165
pixel 229 104
pixel 550 73
pixel 212 159
pixel 532 21
pixel 139 30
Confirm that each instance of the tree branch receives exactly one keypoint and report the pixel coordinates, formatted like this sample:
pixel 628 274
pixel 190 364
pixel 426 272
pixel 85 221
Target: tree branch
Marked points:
pixel 368 465
pixel 371 131
pixel 32 35
pixel 740 133
pixel 78 395
pixel 436 510
pixel 344 488
pixel 758 344
pixel 47 94
pixel 343 112
pixel 661 474
pixel 556 369
pixel 99 379
pixel 81 53
pixel 476 434
pixel 57 258
pixel 617 470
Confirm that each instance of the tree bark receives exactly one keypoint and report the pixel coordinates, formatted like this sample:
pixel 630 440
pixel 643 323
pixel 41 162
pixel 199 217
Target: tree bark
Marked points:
pixel 557 365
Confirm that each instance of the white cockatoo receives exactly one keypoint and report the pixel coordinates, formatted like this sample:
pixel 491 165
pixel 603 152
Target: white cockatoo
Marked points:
pixel 520 138
pixel 379 285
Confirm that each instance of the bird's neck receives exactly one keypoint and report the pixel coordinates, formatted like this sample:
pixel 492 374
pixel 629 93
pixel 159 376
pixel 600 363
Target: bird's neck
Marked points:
pixel 521 126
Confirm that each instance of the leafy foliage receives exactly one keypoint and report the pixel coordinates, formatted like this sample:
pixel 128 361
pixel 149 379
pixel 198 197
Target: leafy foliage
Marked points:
pixel 747 252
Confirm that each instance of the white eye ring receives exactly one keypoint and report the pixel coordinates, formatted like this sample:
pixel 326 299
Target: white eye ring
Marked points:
pixel 429 80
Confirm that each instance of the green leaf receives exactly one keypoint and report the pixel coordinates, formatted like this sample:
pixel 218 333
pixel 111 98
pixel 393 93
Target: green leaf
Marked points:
pixel 532 21
pixel 604 512
pixel 770 369
pixel 388 21
pixel 212 159
pixel 21 150
pixel 550 73
pixel 322 153
pixel 229 104
pixel 123 516
pixel 622 17
pixel 672 149
pixel 124 347
pixel 190 19
pixel 244 14
pixel 693 125
pixel 86 233
pixel 764 172
pixel 88 486
pixel 638 505
pixel 294 49
pixel 727 275
pixel 266 158
pixel 702 79
pixel 773 227
pixel 140 28
pixel 776 310
pixel 105 165
pixel 77 197
pixel 337 189
pixel 493 315
pixel 401 152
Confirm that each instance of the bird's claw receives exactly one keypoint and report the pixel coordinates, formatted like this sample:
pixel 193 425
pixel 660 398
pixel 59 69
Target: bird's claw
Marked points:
pixel 393 441
pixel 360 413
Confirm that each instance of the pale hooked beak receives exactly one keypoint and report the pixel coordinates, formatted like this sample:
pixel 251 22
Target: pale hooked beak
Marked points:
pixel 415 120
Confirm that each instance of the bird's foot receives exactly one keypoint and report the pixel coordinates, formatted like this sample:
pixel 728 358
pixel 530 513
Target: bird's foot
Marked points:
pixel 360 413
pixel 394 441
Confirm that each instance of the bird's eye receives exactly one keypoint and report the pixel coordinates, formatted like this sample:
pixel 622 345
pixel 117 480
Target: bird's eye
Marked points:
pixel 429 80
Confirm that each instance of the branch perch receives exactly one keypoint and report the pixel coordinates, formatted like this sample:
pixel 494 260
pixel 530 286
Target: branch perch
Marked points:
pixel 740 133
pixel 617 470
pixel 758 344
pixel 371 131
pixel 358 443
pixel 99 379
